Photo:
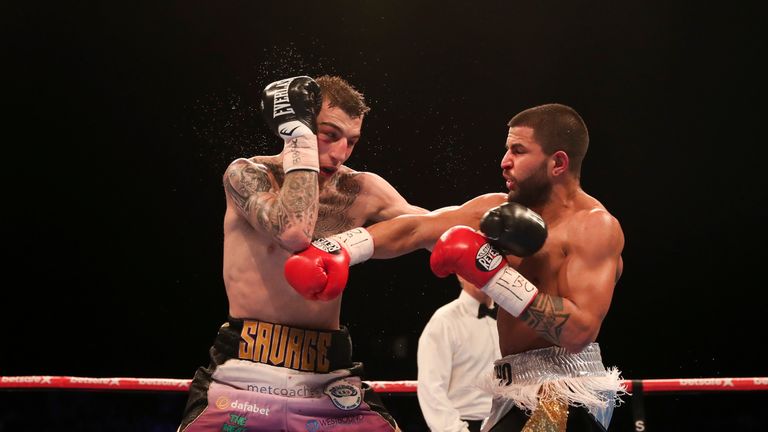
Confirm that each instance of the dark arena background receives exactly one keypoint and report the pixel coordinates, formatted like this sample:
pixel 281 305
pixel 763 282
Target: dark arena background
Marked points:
pixel 120 118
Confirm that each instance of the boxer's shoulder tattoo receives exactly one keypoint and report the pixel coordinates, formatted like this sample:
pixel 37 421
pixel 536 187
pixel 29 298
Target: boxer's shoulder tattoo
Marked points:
pixel 545 315
pixel 244 180
pixel 333 216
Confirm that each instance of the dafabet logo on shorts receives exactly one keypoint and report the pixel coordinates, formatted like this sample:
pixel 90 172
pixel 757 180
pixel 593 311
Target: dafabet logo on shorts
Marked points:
pixel 222 402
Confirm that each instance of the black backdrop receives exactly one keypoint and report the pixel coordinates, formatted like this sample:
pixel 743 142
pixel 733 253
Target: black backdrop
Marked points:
pixel 121 118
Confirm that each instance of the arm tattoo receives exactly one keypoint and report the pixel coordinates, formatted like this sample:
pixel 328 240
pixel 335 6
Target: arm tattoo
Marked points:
pixel 545 315
pixel 295 204
pixel 298 200
pixel 249 181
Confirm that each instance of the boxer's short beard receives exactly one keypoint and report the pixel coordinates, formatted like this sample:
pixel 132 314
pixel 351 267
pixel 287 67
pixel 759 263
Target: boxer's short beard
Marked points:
pixel 534 190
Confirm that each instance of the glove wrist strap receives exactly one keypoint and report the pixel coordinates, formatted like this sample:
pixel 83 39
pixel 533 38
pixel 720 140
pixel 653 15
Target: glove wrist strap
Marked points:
pixel 511 291
pixel 301 153
pixel 358 243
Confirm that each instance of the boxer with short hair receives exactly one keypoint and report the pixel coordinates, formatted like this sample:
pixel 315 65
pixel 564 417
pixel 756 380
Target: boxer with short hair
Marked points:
pixel 547 253
pixel 282 362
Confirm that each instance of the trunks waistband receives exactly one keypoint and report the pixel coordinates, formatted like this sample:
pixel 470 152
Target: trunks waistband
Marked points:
pixel 300 349
pixel 553 377
pixel 547 364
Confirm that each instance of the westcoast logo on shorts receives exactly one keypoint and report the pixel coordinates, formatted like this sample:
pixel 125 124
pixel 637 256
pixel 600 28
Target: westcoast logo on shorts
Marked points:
pixel 316 425
pixel 279 345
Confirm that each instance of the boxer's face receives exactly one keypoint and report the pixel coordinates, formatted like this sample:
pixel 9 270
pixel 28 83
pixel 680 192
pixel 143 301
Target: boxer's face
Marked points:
pixel 337 134
pixel 524 167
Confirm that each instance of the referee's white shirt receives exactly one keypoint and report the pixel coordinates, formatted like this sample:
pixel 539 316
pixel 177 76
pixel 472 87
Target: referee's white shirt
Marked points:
pixel 456 352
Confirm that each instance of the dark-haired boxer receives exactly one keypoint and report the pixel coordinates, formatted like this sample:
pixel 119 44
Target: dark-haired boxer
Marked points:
pixel 282 362
pixel 563 260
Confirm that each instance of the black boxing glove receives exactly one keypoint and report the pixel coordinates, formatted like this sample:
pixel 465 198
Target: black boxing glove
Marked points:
pixel 290 107
pixel 514 229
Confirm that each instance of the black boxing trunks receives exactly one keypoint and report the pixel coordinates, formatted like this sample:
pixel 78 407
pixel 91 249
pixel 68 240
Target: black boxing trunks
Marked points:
pixel 271 377
pixel 554 390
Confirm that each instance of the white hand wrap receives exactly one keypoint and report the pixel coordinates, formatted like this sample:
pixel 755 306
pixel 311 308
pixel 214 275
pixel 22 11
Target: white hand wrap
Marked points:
pixel 511 291
pixel 301 153
pixel 358 242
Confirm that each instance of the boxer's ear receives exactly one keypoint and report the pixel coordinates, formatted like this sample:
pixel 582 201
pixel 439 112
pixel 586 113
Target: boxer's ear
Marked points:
pixel 560 163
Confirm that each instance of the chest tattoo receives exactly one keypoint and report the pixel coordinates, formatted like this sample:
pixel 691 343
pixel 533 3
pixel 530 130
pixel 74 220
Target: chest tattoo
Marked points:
pixel 335 202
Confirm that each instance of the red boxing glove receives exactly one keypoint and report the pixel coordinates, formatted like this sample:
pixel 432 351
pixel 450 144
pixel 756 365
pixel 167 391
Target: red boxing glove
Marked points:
pixel 319 272
pixel 464 251
pixel 467 253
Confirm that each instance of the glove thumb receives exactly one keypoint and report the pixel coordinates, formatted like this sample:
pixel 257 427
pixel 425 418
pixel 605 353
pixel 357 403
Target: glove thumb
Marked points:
pixel 308 281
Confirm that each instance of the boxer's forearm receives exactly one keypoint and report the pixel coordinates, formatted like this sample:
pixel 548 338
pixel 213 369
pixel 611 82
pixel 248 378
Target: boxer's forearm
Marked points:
pixel 289 214
pixel 397 236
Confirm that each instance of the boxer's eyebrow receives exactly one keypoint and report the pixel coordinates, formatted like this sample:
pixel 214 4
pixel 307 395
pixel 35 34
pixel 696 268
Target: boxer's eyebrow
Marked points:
pixel 331 124
pixel 338 129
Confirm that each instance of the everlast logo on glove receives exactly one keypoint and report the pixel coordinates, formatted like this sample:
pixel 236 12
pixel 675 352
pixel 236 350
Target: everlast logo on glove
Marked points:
pixel 488 258
pixel 282 105
pixel 327 245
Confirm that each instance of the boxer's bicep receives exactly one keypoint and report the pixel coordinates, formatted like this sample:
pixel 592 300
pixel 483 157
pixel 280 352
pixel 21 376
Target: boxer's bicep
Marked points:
pixel 586 281
pixel 590 272
pixel 248 187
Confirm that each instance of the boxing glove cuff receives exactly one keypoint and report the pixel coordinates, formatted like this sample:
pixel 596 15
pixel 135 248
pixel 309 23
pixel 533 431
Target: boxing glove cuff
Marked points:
pixel 511 291
pixel 358 243
pixel 301 152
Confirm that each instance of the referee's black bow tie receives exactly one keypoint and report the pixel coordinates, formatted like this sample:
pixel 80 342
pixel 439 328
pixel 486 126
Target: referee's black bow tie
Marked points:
pixel 486 311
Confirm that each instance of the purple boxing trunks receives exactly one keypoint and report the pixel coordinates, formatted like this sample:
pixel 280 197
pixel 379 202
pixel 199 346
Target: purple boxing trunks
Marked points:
pixel 272 377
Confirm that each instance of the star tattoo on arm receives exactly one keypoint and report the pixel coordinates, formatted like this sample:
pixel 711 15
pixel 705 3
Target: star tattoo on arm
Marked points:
pixel 545 315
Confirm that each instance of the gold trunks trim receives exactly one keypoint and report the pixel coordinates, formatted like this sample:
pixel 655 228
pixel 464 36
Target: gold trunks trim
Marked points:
pixel 284 346
pixel 550 416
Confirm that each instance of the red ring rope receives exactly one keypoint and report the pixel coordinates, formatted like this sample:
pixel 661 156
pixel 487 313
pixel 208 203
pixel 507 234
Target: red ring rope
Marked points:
pixel 406 386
